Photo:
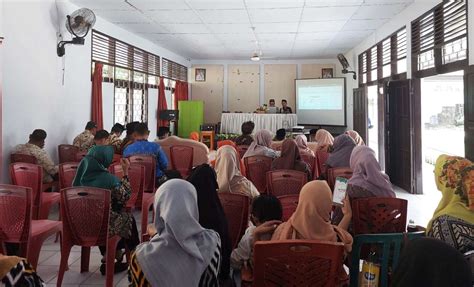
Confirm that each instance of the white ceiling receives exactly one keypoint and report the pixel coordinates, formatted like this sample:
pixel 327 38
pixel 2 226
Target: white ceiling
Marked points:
pixel 222 29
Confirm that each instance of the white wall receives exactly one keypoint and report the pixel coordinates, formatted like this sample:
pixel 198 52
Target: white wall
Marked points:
pixel 33 93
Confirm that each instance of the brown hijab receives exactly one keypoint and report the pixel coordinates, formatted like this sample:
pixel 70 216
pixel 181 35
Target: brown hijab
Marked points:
pixel 290 157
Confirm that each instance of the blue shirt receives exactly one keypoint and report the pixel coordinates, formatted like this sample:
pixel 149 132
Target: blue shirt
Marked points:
pixel 148 148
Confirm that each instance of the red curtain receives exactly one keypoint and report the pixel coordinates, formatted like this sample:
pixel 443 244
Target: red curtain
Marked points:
pixel 162 105
pixel 97 96
pixel 181 92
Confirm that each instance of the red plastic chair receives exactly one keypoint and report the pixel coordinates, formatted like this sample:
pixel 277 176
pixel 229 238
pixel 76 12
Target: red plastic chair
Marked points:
pixel 236 209
pixel 85 214
pixel 117 158
pixel 136 176
pixel 332 173
pixel 149 162
pixel 284 182
pixel 67 153
pixel 310 161
pixel 67 172
pixel 297 263
pixel 242 149
pixel 182 159
pixel 80 155
pixel 289 203
pixel 17 226
pixel 379 215
pixel 147 203
pixel 257 168
pixel 20 157
pixel 321 158
pixel 31 175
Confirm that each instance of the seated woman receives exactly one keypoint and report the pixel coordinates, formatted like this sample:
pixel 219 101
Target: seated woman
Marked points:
pixel 232 144
pixel 324 139
pixel 453 219
pixel 356 137
pixel 302 144
pixel 16 271
pixel 182 253
pixel 368 179
pixel 211 213
pixel 312 218
pixel 261 145
pixel 341 152
pixel 431 263
pixel 93 172
pixel 290 158
pixel 229 177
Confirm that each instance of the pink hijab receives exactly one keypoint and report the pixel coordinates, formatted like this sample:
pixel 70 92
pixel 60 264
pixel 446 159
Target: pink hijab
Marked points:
pixel 323 137
pixel 302 143
pixel 261 143
pixel 356 137
pixel 368 174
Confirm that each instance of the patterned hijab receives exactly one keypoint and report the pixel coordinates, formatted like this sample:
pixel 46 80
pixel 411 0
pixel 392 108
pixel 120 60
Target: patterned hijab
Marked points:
pixel 454 177
pixel 262 141
pixel 182 249
pixel 93 172
pixel 356 137
pixel 342 150
pixel 368 174
pixel 323 137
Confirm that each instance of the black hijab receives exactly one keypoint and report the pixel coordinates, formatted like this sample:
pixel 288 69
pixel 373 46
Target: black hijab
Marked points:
pixel 431 262
pixel 211 213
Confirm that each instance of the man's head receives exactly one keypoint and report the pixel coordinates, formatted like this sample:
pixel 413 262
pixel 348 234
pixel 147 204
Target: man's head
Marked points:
pixel 131 128
pixel 284 103
pixel 141 132
pixel 117 129
pixel 163 132
pixel 92 127
pixel 280 134
pixel 101 137
pixel 266 208
pixel 247 128
pixel 38 137
pixel 271 102
pixel 312 134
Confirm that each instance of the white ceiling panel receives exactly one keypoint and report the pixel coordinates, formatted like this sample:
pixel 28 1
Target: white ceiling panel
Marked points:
pixel 230 28
pixel 315 36
pixel 326 3
pixel 216 4
pixel 379 11
pixel 275 15
pixel 103 5
pixel 354 25
pixel 124 16
pixel 280 27
pixel 224 16
pixel 276 36
pixel 174 16
pixel 269 4
pixel 146 5
pixel 323 26
pixel 186 28
pixel 328 13
pixel 143 28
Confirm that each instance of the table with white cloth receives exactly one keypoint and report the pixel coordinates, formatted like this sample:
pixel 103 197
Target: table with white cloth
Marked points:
pixel 231 123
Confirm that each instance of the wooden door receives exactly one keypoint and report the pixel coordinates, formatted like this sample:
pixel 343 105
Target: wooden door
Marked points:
pixel 469 113
pixel 400 121
pixel 360 112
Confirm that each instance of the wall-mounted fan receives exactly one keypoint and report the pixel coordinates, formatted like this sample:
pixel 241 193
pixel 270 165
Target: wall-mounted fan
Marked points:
pixel 78 24
pixel 346 65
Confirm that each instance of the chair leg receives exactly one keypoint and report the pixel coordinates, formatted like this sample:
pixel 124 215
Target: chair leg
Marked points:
pixel 85 258
pixel 65 251
pixel 110 260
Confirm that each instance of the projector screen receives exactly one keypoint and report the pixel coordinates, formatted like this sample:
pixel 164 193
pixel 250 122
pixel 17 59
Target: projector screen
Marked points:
pixel 321 102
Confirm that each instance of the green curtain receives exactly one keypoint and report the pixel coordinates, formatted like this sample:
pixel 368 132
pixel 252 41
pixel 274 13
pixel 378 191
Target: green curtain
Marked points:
pixel 191 117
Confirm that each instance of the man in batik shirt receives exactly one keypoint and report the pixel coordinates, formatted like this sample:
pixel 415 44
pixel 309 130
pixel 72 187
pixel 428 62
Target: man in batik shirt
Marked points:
pixel 85 140
pixel 114 137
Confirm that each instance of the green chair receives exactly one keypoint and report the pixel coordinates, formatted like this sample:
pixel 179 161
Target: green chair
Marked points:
pixel 389 241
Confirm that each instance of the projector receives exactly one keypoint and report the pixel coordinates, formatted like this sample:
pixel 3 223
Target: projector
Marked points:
pixel 297 129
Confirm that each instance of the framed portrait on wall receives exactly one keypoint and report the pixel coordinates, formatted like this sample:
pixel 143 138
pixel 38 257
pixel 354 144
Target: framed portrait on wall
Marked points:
pixel 327 73
pixel 200 75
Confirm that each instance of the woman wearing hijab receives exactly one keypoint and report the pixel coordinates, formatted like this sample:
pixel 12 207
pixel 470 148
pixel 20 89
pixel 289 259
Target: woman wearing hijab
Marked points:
pixel 453 219
pixel 430 262
pixel 324 139
pixel 341 154
pixel 261 145
pixel 302 143
pixel 232 144
pixel 93 172
pixel 211 213
pixel 356 137
pixel 229 177
pixel 182 253
pixel 290 158
pixel 368 179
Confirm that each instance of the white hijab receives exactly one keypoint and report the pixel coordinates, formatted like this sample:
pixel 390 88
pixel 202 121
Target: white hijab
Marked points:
pixel 182 249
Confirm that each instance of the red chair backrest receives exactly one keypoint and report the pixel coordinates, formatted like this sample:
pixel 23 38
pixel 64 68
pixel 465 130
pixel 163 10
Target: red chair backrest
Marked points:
pixel 80 155
pixel 29 175
pixel 379 215
pixel 149 162
pixel 321 158
pixel 15 213
pixel 85 215
pixel 182 159
pixel 283 182
pixel 67 172
pixel 288 204
pixel 242 149
pixel 136 176
pixel 310 161
pixel 20 157
pixel 236 209
pixel 257 168
pixel 67 153
pixel 297 263
pixel 332 173
pixel 117 158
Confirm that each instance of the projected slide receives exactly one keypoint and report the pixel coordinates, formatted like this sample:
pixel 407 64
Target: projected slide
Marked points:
pixel 320 98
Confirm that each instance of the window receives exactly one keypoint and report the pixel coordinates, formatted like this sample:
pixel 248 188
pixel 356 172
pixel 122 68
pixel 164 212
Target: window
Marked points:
pixel 132 70
pixel 401 51
pixel 373 63
pixel 386 58
pixel 363 68
pixel 174 71
pixel 440 36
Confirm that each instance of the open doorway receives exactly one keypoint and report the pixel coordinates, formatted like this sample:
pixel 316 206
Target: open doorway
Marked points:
pixel 442 115
pixel 372 119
